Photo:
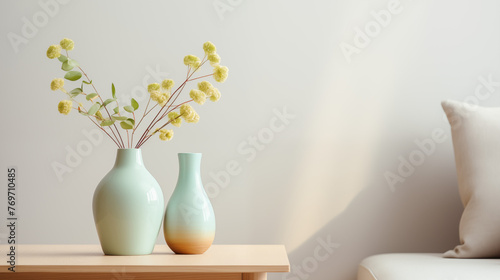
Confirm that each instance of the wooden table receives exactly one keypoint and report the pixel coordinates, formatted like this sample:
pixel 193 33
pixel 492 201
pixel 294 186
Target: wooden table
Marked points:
pixel 78 262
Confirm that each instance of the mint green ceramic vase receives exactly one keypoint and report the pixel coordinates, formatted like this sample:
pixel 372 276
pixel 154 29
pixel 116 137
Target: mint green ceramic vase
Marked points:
pixel 128 207
pixel 189 223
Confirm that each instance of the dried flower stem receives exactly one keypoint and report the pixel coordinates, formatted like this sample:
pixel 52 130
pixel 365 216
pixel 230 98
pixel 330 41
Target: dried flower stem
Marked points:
pixel 142 140
pixel 119 139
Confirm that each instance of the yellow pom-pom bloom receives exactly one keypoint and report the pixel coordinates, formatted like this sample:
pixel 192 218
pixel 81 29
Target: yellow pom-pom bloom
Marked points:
pixel 166 134
pixel 174 119
pixel 220 73
pixel 54 51
pixel 189 114
pixel 210 92
pixel 214 59
pixel 198 96
pixel 67 44
pixel 187 111
pixel 205 86
pixel 164 99
pixel 192 61
pixel 209 47
pixel 65 106
pixel 161 98
pixel 153 87
pixel 167 84
pixel 56 84
pixel 155 95
pixel 196 118
pixel 215 95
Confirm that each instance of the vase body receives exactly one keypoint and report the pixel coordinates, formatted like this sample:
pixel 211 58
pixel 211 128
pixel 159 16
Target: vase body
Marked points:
pixel 189 222
pixel 128 207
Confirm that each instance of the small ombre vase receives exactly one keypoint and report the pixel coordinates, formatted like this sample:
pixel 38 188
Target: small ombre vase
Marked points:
pixel 128 207
pixel 189 223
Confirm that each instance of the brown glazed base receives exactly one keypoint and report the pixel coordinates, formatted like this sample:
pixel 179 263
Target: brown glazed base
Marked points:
pixel 189 246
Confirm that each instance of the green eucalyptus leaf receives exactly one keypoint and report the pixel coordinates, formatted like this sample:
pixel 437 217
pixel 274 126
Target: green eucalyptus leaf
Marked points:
pixel 134 103
pixel 74 93
pixel 66 66
pixel 113 90
pixel 69 64
pixel 107 101
pixel 119 118
pixel 129 109
pixel 107 122
pixel 94 109
pixel 83 113
pixel 126 124
pixel 132 121
pixel 88 83
pixel 116 110
pixel 73 75
pixel 90 96
pixel 62 58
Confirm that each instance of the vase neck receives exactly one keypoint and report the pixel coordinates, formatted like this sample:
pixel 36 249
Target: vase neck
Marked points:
pixel 189 165
pixel 127 157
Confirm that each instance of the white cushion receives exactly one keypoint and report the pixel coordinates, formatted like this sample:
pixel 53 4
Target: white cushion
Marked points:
pixel 421 266
pixel 476 142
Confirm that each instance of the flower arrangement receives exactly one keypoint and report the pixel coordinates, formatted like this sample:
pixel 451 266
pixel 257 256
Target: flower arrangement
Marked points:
pixel 162 95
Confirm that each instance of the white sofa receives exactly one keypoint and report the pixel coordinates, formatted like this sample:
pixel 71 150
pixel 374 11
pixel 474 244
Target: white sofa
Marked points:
pixel 476 142
pixel 419 266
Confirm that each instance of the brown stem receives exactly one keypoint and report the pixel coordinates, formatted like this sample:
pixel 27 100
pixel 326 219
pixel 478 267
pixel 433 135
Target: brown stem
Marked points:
pixel 168 108
pixel 200 77
pixel 100 127
pixel 176 106
pixel 144 115
pixel 152 109
pixel 169 121
pixel 132 138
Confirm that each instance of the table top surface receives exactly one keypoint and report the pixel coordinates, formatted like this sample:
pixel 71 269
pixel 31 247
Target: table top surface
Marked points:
pixel 89 258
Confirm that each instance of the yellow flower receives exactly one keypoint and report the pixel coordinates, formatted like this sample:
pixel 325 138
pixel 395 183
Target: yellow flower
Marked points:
pixel 187 111
pixel 65 106
pixel 166 134
pixel 214 59
pixel 167 84
pixel 209 47
pixel 155 95
pixel 164 99
pixel 206 87
pixel 153 87
pixel 174 120
pixel 67 44
pixel 56 84
pixel 220 73
pixel 54 51
pixel 215 95
pixel 198 96
pixel 196 118
pixel 192 61
pixel 189 114
pixel 160 97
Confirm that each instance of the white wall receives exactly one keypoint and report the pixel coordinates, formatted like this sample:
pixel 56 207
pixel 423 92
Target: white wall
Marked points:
pixel 322 177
